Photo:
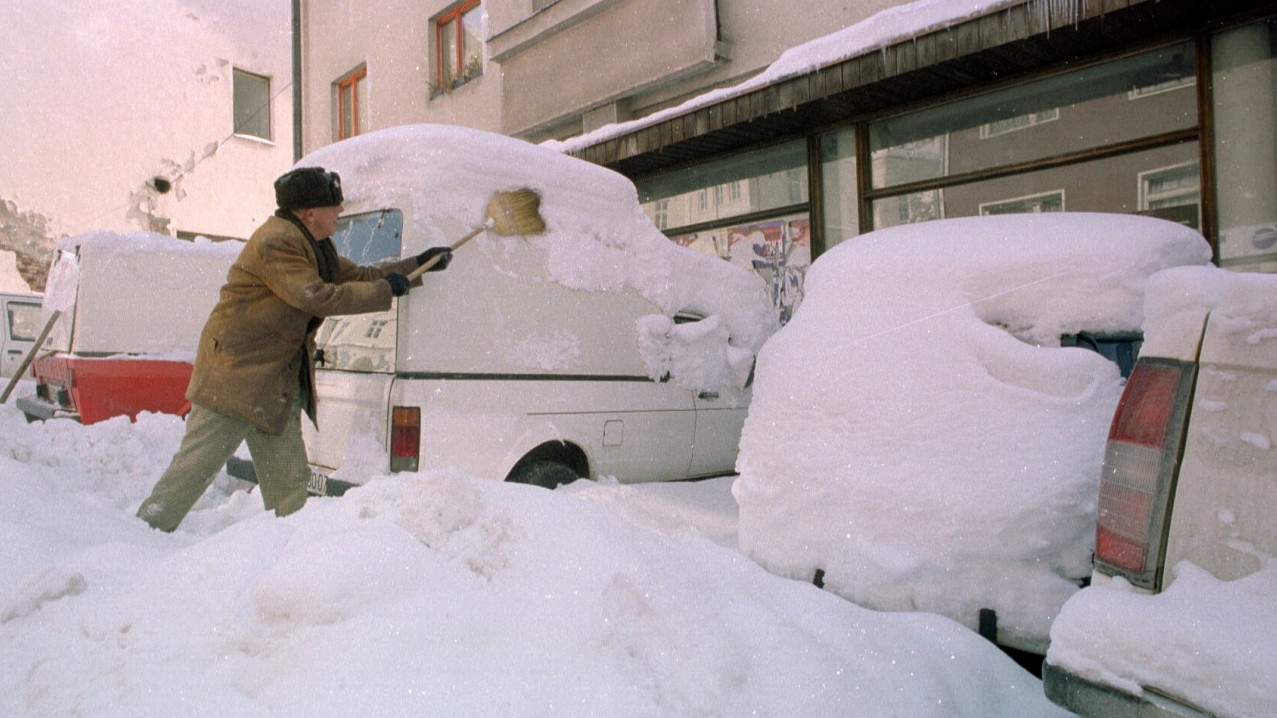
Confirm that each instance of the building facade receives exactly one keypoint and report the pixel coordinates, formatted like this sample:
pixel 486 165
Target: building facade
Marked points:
pixel 1158 107
pixel 159 115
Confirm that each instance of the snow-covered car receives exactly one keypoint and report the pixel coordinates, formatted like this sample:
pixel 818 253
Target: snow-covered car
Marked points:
pixel 596 347
pixel 19 328
pixel 923 438
pixel 132 306
pixel 1182 609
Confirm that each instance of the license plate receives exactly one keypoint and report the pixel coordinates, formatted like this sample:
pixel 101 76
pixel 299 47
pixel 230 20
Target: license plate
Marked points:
pixel 318 484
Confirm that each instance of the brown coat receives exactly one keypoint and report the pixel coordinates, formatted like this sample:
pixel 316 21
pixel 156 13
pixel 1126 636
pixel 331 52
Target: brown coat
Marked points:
pixel 257 343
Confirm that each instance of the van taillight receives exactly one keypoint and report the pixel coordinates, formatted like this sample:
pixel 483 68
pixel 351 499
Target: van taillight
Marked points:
pixel 405 437
pixel 1140 465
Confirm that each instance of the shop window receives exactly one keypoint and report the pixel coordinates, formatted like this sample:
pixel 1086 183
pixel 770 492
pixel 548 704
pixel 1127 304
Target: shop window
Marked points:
pixel 769 180
pixel 1244 96
pixel 1092 107
pixel 1043 202
pixel 458 46
pixel 968 157
pixel 252 104
pixel 750 210
pixel 352 107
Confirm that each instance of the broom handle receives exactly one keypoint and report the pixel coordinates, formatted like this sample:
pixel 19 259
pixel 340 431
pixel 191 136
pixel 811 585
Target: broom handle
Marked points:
pixel 435 259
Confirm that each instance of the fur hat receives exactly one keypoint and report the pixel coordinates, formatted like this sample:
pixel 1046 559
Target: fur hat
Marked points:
pixel 307 187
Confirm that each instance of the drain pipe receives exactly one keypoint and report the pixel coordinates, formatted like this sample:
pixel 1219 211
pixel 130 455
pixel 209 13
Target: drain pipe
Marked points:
pixel 297 78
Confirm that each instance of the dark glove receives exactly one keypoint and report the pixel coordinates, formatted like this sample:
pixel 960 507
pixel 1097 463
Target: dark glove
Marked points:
pixel 398 283
pixel 443 253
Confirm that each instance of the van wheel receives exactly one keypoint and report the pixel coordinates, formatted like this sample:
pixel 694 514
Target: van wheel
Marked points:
pixel 546 474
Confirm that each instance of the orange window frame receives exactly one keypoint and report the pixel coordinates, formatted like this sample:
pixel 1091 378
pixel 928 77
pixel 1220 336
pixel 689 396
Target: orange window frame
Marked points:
pixel 352 83
pixel 458 40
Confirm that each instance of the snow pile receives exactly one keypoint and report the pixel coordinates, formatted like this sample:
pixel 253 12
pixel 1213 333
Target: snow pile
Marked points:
pixel 597 237
pixel 877 31
pixel 139 293
pixel 1204 640
pixel 424 594
pixel 10 279
pixel 902 438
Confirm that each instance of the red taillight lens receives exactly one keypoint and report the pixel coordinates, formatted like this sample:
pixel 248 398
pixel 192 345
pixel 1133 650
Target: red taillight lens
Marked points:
pixel 405 438
pixel 1139 470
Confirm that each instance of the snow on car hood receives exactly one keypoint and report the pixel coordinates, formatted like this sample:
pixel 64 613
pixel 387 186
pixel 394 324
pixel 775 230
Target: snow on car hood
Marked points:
pixel 917 433
pixel 597 237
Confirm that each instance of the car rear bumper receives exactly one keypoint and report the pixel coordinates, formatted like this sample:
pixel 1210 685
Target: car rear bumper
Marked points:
pixel 37 409
pixel 1088 698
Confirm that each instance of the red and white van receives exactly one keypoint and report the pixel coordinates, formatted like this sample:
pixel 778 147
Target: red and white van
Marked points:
pixel 132 308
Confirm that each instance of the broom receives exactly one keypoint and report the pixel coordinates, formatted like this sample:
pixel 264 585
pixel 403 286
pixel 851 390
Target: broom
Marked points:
pixel 513 212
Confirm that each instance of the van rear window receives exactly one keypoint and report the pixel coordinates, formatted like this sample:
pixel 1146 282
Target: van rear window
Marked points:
pixel 370 237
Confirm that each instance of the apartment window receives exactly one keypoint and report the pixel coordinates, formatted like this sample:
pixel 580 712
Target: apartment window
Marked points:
pixel 252 104
pixel 352 108
pixel 459 45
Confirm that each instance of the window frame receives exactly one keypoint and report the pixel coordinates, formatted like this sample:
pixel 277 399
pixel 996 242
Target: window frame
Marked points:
pixel 352 80
pixel 454 14
pixel 245 129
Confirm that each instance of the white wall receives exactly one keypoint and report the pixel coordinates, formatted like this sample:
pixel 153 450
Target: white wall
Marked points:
pixel 104 96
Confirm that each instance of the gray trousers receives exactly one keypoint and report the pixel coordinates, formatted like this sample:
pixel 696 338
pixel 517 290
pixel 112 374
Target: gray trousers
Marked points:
pixel 211 438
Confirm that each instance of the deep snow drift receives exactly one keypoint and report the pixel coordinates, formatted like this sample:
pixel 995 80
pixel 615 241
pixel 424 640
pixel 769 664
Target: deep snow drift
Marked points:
pixel 917 432
pixel 425 594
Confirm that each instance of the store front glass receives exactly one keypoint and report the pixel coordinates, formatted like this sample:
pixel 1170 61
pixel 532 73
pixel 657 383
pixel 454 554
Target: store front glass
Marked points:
pixel 751 210
pixel 1117 137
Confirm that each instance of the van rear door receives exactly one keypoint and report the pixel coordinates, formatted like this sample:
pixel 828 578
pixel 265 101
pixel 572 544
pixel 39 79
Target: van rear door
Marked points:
pixel 355 356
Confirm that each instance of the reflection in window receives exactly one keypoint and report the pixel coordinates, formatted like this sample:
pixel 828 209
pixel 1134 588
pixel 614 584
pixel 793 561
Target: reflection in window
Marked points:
pixel 841 201
pixel 769 179
pixel 1019 122
pixel 1087 109
pixel 1045 202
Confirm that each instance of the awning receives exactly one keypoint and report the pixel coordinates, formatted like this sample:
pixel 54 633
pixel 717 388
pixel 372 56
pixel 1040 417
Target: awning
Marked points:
pixel 1009 41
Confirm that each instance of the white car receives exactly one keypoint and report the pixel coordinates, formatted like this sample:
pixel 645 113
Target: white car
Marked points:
pixel 925 433
pixel 594 347
pixel 1179 619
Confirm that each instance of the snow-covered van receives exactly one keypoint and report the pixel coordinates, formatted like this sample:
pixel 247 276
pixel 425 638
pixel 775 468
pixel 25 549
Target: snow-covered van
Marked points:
pixel 1179 617
pixel 19 328
pixel 132 307
pixel 595 348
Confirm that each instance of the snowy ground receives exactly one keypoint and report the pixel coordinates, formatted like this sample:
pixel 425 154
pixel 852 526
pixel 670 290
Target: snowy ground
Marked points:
pixel 431 594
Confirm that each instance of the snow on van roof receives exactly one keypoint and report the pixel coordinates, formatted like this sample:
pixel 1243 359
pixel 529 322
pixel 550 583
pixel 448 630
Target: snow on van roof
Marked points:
pixel 597 237
pixel 937 462
pixel 105 242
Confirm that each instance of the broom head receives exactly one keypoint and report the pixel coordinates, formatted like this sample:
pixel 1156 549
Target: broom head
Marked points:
pixel 516 212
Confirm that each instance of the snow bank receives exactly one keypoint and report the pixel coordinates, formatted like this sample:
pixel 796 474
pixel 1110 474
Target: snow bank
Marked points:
pixel 423 594
pixel 597 237
pixel 917 433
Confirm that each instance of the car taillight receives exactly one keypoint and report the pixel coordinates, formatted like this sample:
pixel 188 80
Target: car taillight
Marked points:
pixel 1140 465
pixel 405 437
